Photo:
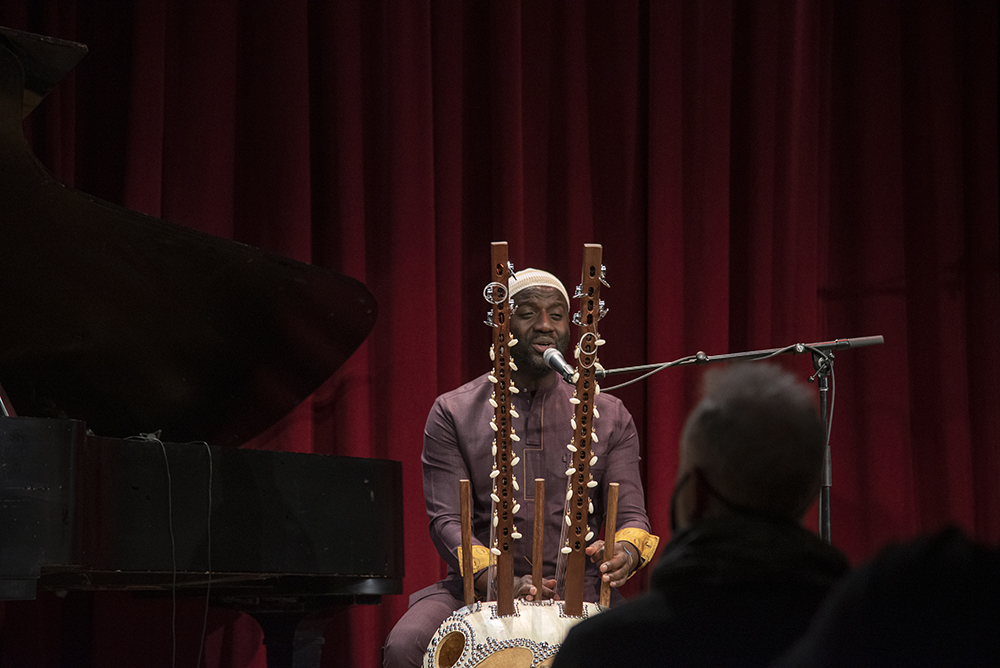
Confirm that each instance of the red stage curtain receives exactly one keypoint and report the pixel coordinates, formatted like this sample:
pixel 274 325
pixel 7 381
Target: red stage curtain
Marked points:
pixel 759 174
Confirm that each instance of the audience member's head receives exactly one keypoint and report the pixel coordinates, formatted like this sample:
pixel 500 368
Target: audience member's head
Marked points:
pixel 754 443
pixel 929 602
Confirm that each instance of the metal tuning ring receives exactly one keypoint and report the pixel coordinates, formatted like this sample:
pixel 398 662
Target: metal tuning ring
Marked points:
pixel 495 292
pixel 587 346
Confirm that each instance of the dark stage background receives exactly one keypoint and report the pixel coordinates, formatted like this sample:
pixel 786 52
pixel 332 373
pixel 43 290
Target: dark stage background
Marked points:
pixel 759 174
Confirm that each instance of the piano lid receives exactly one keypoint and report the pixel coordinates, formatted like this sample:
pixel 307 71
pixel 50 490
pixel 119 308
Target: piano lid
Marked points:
pixel 133 324
pixel 44 61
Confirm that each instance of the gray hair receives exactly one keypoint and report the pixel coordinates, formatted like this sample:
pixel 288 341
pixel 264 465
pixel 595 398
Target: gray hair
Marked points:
pixel 757 438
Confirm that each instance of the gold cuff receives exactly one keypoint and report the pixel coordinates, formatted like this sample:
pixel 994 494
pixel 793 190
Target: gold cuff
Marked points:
pixel 645 541
pixel 480 558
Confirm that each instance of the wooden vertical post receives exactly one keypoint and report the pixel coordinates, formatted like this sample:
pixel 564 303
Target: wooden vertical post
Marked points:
pixel 538 545
pixel 465 507
pixel 577 529
pixel 610 527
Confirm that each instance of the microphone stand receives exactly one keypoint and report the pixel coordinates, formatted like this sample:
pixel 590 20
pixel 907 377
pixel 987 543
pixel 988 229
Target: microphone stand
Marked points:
pixel 822 355
pixel 823 364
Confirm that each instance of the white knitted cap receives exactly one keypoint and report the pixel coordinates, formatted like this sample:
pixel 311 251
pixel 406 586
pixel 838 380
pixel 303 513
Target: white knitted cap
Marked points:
pixel 534 278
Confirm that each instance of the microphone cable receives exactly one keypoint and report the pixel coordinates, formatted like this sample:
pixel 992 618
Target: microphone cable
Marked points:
pixel 208 553
pixel 154 437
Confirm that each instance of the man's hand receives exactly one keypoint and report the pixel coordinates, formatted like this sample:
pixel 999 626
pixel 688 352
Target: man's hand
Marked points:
pixel 620 566
pixel 523 588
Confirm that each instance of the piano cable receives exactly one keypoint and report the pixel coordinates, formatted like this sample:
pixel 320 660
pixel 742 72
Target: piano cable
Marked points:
pixel 154 437
pixel 5 408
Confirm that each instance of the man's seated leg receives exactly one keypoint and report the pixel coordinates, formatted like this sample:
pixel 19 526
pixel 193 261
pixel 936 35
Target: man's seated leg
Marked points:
pixel 408 640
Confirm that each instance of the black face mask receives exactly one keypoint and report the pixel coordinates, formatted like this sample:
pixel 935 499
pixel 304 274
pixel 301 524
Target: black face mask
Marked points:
pixel 673 502
pixel 708 488
pixel 734 507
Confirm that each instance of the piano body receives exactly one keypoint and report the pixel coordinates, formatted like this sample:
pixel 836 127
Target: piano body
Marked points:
pixel 138 355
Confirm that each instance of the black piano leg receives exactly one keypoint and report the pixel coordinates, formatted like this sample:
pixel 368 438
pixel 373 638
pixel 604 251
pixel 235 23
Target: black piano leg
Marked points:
pixel 292 640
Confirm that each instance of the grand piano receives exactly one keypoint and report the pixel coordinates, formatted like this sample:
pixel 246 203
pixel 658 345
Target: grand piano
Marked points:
pixel 136 357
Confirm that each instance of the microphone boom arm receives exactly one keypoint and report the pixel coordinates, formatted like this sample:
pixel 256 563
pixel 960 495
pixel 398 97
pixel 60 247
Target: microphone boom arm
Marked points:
pixel 701 358
pixel 822 354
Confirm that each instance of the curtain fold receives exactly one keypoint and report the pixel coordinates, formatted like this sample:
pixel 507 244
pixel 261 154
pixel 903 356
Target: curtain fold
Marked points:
pixel 759 174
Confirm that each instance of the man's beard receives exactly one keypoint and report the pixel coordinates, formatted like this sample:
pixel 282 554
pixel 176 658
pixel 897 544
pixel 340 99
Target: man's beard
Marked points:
pixel 529 363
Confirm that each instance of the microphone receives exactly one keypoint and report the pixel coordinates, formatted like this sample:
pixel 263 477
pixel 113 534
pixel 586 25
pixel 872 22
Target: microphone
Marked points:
pixel 559 364
pixel 861 341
